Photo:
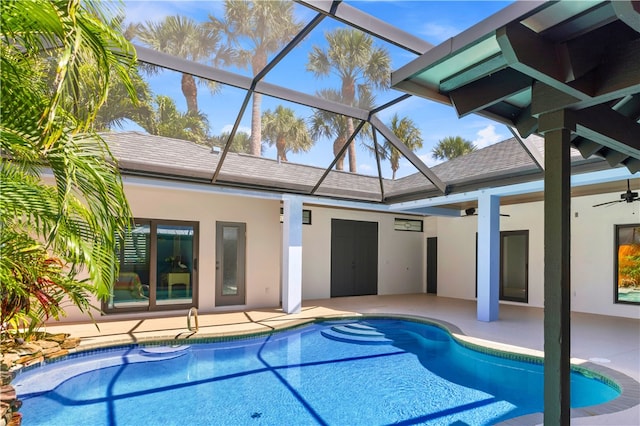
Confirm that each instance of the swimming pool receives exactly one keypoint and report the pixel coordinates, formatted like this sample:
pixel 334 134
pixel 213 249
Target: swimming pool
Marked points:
pixel 348 372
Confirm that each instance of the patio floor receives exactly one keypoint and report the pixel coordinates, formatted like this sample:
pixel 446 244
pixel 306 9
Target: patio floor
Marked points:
pixel 610 342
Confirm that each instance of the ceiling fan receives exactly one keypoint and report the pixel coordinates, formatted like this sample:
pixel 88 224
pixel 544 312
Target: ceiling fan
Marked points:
pixel 627 196
pixel 471 211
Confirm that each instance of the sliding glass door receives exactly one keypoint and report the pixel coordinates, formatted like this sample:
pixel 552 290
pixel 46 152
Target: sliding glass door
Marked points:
pixel 158 267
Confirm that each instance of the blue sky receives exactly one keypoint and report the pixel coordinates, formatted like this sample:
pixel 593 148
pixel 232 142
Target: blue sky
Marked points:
pixel 433 21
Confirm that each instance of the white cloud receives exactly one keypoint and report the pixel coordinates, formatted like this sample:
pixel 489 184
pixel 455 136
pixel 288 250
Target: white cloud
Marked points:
pixel 229 127
pixel 487 136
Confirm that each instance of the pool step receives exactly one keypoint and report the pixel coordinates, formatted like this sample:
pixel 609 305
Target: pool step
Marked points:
pixel 163 351
pixel 364 334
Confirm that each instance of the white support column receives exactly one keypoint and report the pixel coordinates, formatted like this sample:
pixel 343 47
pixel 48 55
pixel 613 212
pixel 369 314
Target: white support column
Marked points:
pixel 292 254
pixel 488 257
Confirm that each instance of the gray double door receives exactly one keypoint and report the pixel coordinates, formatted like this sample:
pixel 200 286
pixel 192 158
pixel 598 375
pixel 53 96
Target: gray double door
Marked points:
pixel 354 258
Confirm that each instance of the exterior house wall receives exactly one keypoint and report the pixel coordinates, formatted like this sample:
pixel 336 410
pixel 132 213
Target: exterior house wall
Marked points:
pixel 592 252
pixel 262 249
pixel 400 253
pixel 263 239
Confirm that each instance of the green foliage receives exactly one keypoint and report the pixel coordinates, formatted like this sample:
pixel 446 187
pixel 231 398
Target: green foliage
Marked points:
pixel 120 106
pixel 168 121
pixel 452 147
pixel 629 267
pixel 256 29
pixel 339 127
pixel 183 37
pixel 408 133
pixel 51 232
pixel 241 142
pixel 35 285
pixel 286 131
pixel 359 64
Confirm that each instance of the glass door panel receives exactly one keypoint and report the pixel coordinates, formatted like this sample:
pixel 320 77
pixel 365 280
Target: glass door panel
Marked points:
pixel 131 289
pixel 175 261
pixel 230 263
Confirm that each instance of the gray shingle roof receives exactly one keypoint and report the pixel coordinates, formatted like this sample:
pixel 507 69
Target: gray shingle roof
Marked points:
pixel 497 165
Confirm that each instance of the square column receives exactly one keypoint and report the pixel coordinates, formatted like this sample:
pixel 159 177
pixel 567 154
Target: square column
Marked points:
pixel 488 257
pixel 292 254
pixel 557 277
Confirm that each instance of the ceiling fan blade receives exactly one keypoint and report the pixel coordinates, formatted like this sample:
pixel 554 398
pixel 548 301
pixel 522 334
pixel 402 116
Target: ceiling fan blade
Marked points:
pixel 607 203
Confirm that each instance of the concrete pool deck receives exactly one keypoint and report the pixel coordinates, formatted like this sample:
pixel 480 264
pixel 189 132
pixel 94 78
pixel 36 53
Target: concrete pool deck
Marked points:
pixel 610 342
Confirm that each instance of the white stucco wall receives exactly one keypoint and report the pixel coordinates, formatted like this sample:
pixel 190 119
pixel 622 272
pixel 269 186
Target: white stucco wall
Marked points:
pixel 263 239
pixel 592 252
pixel 400 254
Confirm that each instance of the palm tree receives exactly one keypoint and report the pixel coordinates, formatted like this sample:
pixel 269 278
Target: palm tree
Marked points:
pixel 169 122
pixel 241 142
pixel 331 125
pixel 286 131
pixel 406 130
pixel 359 64
pixel 119 107
pixel 183 37
pixel 452 147
pixel 50 232
pixel 258 29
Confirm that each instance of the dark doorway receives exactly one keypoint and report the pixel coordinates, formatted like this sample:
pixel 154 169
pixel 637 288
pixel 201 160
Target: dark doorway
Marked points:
pixel 432 265
pixel 514 266
pixel 354 258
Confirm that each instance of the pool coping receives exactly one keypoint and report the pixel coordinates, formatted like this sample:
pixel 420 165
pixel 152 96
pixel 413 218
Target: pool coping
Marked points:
pixel 629 388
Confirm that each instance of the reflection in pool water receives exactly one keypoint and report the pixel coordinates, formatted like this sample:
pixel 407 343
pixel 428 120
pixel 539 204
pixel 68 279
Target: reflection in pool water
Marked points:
pixel 373 371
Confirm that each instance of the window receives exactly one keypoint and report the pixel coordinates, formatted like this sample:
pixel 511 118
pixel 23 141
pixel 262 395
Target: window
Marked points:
pixel 514 266
pixel 306 216
pixel 627 264
pixel 412 225
pixel 158 267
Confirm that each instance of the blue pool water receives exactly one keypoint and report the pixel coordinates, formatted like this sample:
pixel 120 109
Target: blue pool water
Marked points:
pixel 367 372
